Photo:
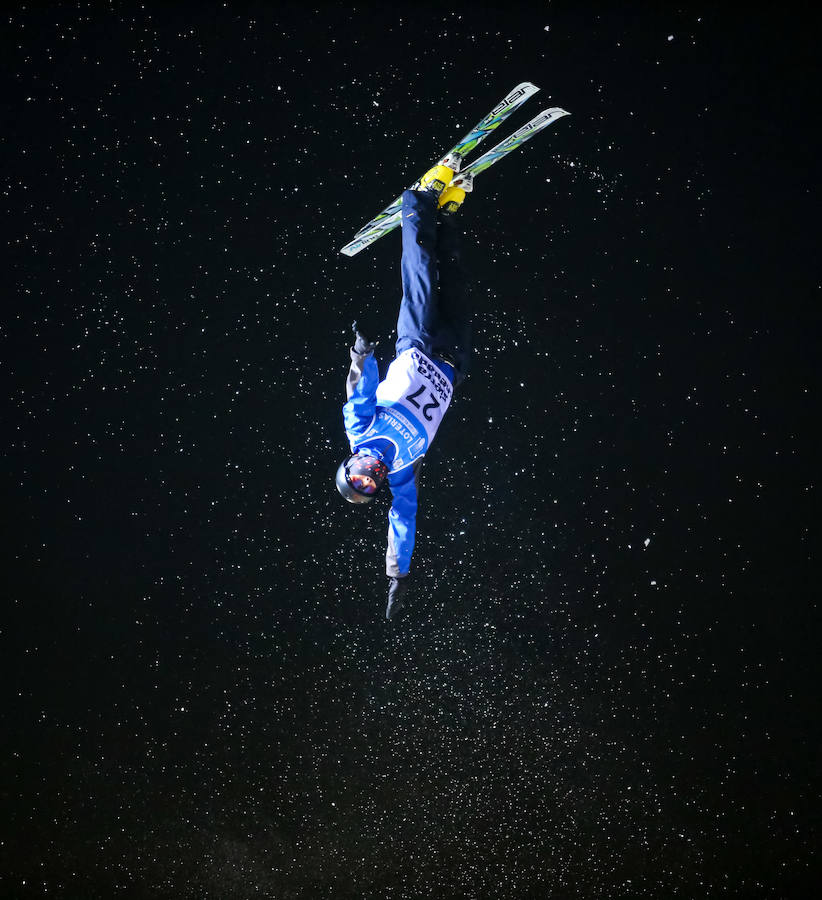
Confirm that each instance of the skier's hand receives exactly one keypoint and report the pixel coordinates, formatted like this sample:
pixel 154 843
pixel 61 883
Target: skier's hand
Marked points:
pixel 362 345
pixel 397 596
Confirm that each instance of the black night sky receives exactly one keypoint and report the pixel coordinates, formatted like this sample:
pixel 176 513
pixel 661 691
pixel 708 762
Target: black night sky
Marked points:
pixel 607 684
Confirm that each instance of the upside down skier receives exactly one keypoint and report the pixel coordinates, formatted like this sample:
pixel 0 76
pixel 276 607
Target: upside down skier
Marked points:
pixel 391 423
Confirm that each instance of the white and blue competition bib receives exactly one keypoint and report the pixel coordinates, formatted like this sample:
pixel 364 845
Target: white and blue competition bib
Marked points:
pixel 411 401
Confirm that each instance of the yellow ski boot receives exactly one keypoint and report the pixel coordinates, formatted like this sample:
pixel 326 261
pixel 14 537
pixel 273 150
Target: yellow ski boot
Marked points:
pixel 453 195
pixel 437 179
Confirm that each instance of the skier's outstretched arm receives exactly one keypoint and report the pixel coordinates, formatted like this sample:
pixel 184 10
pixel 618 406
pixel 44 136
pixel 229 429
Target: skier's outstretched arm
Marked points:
pixel 402 523
pixel 402 526
pixel 361 388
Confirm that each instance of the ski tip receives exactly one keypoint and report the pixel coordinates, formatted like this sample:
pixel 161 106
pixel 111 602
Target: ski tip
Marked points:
pixel 526 87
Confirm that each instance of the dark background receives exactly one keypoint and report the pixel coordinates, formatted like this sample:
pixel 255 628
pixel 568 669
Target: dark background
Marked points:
pixel 608 683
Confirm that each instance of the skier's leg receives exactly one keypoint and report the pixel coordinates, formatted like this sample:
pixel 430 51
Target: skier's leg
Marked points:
pixel 417 318
pixel 453 325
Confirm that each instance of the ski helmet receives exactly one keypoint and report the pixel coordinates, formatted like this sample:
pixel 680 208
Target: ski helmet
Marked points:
pixel 360 477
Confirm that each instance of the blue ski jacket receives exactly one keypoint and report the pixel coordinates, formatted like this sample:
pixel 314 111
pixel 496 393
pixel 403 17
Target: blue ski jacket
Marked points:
pixel 396 419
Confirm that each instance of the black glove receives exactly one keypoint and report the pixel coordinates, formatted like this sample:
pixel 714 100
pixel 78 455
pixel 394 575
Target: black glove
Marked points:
pixel 362 345
pixel 397 593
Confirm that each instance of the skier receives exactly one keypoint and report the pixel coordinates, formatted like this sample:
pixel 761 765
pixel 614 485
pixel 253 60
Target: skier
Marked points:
pixel 391 423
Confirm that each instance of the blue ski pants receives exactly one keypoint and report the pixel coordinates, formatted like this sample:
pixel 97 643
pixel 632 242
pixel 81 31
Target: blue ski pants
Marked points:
pixel 434 312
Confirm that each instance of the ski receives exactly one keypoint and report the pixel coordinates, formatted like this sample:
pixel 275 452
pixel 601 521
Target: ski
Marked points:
pixel 517 139
pixel 388 219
